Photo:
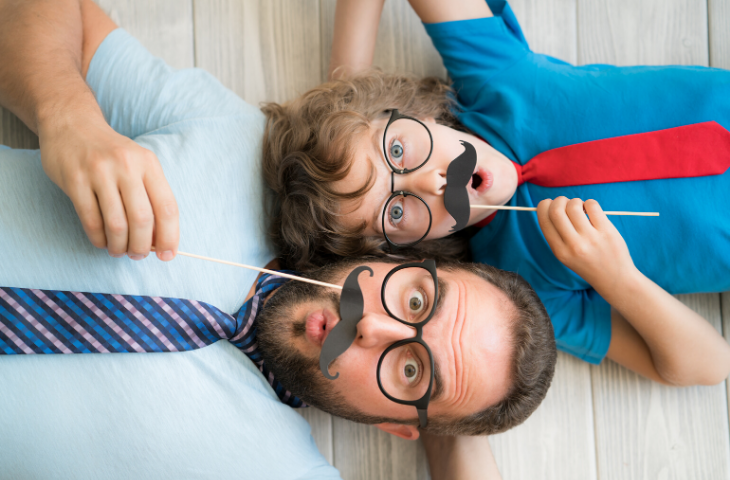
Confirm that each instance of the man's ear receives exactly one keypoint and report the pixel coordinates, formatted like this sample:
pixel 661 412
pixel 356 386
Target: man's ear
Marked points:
pixel 407 432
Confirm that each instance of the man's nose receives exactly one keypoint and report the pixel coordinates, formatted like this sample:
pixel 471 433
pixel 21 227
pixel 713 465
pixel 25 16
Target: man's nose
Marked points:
pixel 379 330
pixel 424 181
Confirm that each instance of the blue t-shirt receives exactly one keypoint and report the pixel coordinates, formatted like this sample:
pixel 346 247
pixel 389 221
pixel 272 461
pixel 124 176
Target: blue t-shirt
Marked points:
pixel 209 413
pixel 524 103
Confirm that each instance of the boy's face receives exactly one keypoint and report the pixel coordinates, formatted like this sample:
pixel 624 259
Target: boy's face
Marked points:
pixel 493 182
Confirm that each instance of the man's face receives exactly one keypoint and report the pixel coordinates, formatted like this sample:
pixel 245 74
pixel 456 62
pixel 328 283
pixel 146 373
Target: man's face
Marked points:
pixel 494 179
pixel 469 336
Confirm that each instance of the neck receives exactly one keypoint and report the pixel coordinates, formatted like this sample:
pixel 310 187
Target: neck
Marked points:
pixel 272 265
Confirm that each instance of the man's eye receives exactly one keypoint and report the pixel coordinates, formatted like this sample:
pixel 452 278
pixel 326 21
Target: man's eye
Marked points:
pixel 396 212
pixel 416 303
pixel 396 151
pixel 411 369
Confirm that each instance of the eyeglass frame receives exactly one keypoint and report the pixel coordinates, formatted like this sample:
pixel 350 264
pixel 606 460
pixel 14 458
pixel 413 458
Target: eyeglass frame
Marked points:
pixel 422 403
pixel 395 115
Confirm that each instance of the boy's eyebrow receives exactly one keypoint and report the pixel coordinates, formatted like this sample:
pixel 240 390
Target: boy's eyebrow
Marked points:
pixel 375 140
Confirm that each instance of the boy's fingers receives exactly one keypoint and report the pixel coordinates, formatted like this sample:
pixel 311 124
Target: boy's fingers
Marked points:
pixel 574 210
pixel 597 218
pixel 140 219
pixel 559 218
pixel 548 229
pixel 167 226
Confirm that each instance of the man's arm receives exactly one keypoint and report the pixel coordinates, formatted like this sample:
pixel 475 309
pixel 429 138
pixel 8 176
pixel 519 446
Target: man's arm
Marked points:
pixel 356 28
pixel 117 187
pixel 653 333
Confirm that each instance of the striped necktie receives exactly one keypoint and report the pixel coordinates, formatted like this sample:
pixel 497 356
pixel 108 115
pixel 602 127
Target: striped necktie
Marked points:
pixel 49 321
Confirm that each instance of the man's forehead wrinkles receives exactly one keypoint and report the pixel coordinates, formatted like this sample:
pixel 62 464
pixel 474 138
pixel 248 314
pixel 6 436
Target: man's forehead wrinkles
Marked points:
pixel 462 369
pixel 456 367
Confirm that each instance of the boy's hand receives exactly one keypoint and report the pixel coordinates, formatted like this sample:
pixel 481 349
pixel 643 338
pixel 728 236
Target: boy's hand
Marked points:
pixel 590 246
pixel 117 187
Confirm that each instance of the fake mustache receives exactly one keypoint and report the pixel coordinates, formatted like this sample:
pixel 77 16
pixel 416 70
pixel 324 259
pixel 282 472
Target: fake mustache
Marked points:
pixel 458 176
pixel 343 334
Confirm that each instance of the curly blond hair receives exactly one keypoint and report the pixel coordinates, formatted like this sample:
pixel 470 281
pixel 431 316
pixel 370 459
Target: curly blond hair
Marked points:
pixel 307 148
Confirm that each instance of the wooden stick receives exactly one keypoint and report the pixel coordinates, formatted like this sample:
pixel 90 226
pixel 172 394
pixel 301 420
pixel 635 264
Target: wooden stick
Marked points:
pixel 533 209
pixel 263 270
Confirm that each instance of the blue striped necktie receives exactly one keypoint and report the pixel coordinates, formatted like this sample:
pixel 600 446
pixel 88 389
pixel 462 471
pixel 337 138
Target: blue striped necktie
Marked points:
pixel 49 321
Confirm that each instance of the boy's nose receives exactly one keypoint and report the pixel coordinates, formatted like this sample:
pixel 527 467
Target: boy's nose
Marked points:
pixel 379 330
pixel 424 181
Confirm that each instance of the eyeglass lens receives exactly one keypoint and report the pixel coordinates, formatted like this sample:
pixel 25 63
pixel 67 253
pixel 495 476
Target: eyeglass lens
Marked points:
pixel 410 296
pixel 407 144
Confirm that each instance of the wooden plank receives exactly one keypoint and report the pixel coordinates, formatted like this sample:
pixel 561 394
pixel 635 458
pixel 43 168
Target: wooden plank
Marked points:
pixel 649 32
pixel 164 27
pixel 557 441
pixel 402 44
pixel 549 26
pixel 645 430
pixel 725 301
pixel 719 21
pixel 363 452
pixel 264 50
pixel 321 424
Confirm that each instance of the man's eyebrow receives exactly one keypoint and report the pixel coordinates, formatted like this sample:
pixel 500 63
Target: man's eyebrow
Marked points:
pixel 437 380
pixel 443 288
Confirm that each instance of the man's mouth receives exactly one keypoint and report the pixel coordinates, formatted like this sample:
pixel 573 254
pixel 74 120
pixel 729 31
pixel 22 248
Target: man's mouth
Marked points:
pixel 481 180
pixel 319 324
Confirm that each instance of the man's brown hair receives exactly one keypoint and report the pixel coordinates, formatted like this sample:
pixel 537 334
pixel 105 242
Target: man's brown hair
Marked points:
pixel 531 368
pixel 307 147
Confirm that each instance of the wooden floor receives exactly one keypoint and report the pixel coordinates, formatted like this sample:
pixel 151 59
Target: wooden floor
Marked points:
pixel 596 422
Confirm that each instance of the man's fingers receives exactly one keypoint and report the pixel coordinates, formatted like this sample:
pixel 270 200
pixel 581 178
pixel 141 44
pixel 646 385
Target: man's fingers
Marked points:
pixel 167 227
pixel 115 219
pixel 87 208
pixel 140 219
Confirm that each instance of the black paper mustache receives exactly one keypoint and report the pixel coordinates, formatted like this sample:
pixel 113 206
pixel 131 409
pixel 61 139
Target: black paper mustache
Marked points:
pixel 343 334
pixel 458 176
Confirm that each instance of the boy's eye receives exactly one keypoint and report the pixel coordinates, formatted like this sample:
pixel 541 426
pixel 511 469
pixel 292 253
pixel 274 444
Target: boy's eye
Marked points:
pixel 396 151
pixel 396 212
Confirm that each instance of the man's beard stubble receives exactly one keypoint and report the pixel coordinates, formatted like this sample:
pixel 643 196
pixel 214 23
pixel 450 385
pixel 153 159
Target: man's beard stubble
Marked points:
pixel 277 327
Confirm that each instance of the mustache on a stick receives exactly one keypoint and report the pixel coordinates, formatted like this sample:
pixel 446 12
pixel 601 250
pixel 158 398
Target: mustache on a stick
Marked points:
pixel 344 333
pixel 458 176
pixel 352 306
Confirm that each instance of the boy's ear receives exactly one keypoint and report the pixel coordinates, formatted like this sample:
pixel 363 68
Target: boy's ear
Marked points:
pixel 407 432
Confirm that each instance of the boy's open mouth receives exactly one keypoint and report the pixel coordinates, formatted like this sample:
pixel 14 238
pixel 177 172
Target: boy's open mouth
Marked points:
pixel 481 180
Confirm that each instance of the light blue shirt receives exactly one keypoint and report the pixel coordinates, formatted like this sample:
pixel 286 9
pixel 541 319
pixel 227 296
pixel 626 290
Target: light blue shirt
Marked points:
pixel 203 414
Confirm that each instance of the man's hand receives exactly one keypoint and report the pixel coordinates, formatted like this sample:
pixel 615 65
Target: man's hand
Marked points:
pixel 117 187
pixel 590 246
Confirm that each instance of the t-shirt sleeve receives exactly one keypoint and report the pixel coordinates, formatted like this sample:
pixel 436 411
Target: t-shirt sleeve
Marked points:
pixel 474 51
pixel 139 92
pixel 581 321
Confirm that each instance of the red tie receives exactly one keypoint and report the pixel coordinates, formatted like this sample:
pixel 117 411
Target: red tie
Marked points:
pixel 694 150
